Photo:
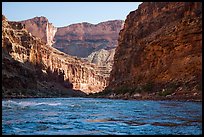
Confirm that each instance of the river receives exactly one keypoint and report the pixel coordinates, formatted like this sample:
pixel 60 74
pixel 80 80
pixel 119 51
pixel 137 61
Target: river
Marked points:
pixel 98 116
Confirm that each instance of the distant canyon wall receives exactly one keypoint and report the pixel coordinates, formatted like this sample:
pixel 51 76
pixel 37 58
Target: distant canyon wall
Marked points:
pixel 82 39
pixel 93 43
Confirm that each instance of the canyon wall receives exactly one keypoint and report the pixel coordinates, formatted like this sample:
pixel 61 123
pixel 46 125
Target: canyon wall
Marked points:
pixel 40 27
pixel 79 39
pixel 18 43
pixel 22 75
pixel 93 43
pixel 82 39
pixel 160 52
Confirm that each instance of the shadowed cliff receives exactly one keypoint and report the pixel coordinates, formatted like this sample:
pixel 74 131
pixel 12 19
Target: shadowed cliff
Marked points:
pixel 159 53
pixel 27 58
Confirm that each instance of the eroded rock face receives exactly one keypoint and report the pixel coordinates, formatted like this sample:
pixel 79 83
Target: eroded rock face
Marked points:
pixel 82 39
pixel 160 48
pixel 94 43
pixel 25 79
pixel 25 48
pixel 79 39
pixel 40 27
pixel 102 58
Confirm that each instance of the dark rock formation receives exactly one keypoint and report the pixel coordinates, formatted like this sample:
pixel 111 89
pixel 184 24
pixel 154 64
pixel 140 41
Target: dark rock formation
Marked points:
pixel 159 52
pixel 24 79
pixel 82 39
pixel 30 64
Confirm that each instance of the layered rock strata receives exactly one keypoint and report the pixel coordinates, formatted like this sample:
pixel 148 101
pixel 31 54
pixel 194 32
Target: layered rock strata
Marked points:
pixel 82 39
pixel 24 48
pixel 103 59
pixel 159 52
pixel 92 43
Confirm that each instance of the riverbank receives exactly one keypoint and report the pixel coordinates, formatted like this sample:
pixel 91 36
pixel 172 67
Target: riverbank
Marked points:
pixel 119 97
pixel 157 96
pixel 151 98
pixel 194 97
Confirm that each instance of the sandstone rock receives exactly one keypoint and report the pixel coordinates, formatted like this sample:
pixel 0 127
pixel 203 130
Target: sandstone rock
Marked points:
pixel 95 43
pixel 161 44
pixel 79 39
pixel 27 49
pixel 103 59
pixel 40 27
pixel 137 95
pixel 82 39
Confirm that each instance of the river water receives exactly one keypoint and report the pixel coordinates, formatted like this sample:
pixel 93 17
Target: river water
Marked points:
pixel 97 116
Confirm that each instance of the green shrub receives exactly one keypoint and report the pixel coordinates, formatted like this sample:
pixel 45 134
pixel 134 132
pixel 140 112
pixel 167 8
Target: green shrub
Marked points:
pixel 137 89
pixel 164 93
pixel 148 87
pixel 199 87
pixel 170 88
pixel 102 93
pixel 122 90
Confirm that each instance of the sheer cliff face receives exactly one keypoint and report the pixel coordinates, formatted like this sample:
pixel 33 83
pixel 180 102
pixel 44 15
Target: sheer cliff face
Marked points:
pixel 161 44
pixel 79 39
pixel 84 38
pixel 23 47
pixel 40 27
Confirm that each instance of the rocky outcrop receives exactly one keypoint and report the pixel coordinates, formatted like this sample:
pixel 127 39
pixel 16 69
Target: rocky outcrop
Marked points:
pixel 103 59
pixel 40 27
pixel 82 39
pixel 31 53
pixel 159 52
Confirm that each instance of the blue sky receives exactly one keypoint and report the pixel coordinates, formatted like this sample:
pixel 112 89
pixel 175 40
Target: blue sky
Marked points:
pixel 66 13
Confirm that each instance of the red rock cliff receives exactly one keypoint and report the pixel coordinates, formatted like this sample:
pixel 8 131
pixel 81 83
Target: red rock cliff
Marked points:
pixel 82 39
pixel 40 27
pixel 24 47
pixel 160 50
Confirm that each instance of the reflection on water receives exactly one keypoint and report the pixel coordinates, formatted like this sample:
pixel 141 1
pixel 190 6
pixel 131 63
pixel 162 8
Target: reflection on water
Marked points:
pixel 89 116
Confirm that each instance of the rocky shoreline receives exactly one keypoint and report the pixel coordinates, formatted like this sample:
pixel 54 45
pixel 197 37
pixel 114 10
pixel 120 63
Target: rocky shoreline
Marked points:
pixel 115 98
pixel 136 96
pixel 150 96
pixel 152 99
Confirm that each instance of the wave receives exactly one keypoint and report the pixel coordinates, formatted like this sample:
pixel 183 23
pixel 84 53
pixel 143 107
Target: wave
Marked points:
pixel 11 104
pixel 75 105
